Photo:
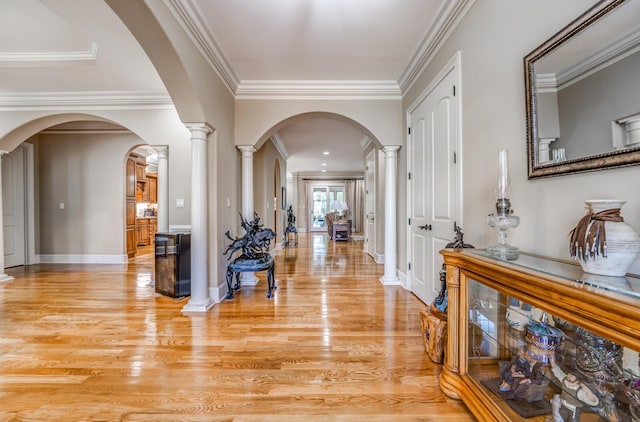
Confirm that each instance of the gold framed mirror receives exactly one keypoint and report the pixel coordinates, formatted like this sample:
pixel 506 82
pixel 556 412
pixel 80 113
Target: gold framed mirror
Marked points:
pixel 582 93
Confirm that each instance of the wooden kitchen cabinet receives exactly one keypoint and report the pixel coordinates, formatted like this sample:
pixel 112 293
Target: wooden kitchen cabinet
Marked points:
pixel 130 207
pixel 141 168
pixel 573 325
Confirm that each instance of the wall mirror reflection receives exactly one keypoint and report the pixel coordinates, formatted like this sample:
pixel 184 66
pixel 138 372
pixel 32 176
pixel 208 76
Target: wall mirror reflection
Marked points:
pixel 583 93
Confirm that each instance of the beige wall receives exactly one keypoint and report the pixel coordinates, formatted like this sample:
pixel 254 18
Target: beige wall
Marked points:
pixel 493 117
pixel 85 173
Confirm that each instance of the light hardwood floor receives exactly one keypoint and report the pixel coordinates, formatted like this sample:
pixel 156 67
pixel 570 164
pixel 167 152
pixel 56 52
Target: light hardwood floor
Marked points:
pixel 96 343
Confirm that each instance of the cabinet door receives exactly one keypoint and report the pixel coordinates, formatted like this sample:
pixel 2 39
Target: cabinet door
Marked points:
pixel 143 232
pixel 140 172
pixel 145 192
pixel 131 242
pixel 131 213
pixel 153 190
pixel 131 178
pixel 153 228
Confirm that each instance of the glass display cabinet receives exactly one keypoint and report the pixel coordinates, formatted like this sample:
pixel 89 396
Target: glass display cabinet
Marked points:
pixel 536 339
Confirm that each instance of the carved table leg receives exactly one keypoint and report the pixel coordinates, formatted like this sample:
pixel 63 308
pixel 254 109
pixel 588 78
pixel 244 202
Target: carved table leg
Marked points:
pixel 229 279
pixel 271 281
pixel 237 286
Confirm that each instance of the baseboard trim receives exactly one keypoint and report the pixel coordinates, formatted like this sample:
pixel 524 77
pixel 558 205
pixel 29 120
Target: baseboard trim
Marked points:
pixel 403 279
pixel 81 259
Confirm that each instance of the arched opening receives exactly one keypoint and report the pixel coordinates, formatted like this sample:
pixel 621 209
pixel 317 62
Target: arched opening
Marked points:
pixel 325 161
pixel 74 189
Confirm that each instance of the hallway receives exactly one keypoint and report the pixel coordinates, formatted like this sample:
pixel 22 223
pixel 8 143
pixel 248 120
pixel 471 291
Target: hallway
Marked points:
pixel 95 342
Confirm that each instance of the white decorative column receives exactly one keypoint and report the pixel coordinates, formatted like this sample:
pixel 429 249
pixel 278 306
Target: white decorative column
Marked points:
pixel 3 276
pixel 390 204
pixel 163 189
pixel 248 278
pixel 543 149
pixel 200 300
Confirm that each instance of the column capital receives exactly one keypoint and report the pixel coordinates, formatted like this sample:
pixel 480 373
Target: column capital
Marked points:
pixel 247 150
pixel 162 150
pixel 3 152
pixel 202 128
pixel 390 150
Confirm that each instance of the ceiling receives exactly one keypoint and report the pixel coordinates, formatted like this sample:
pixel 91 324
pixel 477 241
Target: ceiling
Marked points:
pixel 52 48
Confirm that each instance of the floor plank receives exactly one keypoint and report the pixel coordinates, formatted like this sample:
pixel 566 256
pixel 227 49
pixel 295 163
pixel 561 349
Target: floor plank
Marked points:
pixel 96 343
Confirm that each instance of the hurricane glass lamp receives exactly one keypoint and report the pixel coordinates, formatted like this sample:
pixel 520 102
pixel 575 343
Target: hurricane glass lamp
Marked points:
pixel 503 219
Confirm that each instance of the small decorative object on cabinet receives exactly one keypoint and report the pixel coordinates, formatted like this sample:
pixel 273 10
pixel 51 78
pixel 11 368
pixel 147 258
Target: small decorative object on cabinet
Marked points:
pixel 602 242
pixel 575 360
pixel 503 219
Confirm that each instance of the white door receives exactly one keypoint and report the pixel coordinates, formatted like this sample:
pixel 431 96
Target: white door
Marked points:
pixel 433 187
pixel 13 188
pixel 370 205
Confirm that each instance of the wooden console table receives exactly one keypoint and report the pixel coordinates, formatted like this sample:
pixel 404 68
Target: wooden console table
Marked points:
pixel 341 231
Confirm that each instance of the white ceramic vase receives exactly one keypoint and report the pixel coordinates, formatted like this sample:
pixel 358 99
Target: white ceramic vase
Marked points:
pixel 622 242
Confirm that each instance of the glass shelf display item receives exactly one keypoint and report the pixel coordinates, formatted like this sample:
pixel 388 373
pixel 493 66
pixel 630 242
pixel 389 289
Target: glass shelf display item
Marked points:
pixel 531 345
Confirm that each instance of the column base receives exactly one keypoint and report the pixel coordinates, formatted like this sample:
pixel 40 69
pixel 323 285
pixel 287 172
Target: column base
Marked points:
pixel 198 307
pixel 390 281
pixel 249 279
pixel 5 277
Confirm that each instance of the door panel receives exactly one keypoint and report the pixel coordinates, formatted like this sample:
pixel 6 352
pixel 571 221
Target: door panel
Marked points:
pixel 319 208
pixel 13 189
pixel 419 201
pixel 443 201
pixel 370 201
pixel 433 186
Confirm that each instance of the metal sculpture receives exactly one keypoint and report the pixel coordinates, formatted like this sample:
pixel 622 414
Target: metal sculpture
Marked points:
pixel 441 301
pixel 255 254
pixel 290 230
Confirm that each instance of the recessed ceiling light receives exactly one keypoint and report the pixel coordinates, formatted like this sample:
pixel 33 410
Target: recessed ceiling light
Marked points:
pixel 324 171
pixel 326 153
pixel 324 164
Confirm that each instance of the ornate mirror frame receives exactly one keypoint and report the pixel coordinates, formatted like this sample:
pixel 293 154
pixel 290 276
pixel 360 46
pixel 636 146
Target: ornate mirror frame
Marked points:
pixel 619 158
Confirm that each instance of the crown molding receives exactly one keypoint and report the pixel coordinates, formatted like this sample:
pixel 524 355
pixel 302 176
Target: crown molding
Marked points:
pixel 189 16
pixel 279 144
pixel 601 59
pixel 546 82
pixel 338 175
pixel 40 58
pixel 89 100
pixel 365 142
pixel 266 89
pixel 86 132
pixel 444 22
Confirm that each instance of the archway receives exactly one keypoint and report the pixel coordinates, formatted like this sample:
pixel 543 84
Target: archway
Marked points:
pixel 77 209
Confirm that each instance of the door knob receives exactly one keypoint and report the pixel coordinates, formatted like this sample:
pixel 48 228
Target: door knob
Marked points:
pixel 425 227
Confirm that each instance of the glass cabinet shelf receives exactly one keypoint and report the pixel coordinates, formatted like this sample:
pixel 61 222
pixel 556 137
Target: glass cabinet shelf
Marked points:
pixel 572 273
